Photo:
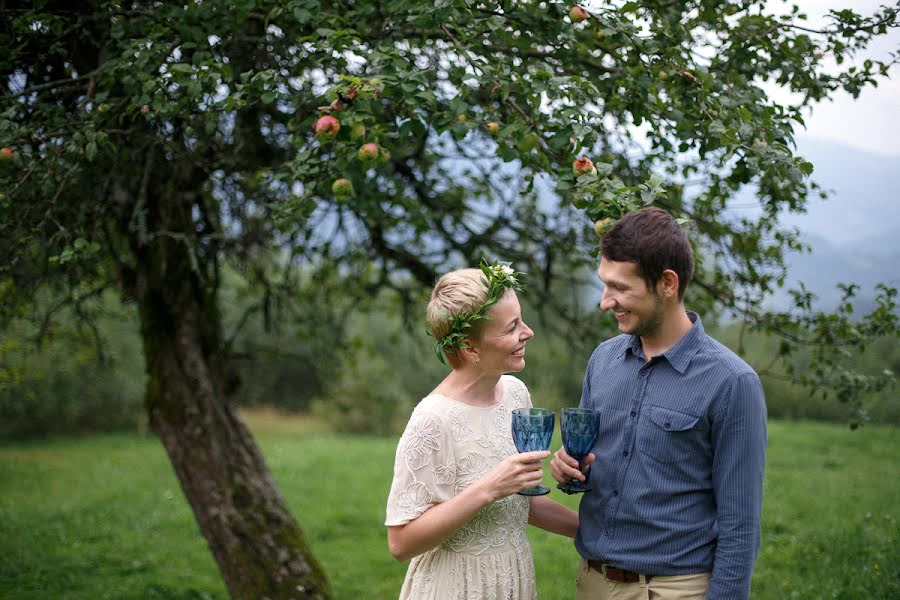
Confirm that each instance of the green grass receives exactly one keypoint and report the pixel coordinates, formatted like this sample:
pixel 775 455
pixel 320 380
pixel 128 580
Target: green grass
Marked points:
pixel 103 517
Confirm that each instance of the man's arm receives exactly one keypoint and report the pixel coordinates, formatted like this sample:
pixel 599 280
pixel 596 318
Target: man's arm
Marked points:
pixel 739 454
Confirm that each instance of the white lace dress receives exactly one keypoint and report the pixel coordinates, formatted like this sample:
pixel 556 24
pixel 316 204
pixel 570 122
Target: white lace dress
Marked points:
pixel 446 446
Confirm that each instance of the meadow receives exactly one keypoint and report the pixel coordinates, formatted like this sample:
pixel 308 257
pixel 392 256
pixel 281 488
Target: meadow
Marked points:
pixel 104 517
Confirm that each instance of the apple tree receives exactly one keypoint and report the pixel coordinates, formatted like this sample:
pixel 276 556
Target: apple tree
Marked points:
pixel 365 145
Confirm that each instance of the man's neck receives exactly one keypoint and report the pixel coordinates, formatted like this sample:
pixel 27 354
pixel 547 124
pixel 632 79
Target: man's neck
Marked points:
pixel 675 325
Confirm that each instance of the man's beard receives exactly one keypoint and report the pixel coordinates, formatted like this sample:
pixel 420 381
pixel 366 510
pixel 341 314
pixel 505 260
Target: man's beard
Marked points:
pixel 652 325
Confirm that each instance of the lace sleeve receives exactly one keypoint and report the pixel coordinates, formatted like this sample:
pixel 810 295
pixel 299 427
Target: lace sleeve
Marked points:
pixel 422 467
pixel 521 397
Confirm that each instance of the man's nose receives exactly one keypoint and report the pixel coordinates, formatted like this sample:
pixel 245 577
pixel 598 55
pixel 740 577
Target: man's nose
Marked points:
pixel 606 302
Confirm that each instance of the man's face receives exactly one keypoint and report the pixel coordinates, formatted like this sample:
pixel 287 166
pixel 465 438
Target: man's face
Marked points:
pixel 638 310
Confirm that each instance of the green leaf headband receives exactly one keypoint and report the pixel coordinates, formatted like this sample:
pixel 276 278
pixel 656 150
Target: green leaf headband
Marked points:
pixel 498 277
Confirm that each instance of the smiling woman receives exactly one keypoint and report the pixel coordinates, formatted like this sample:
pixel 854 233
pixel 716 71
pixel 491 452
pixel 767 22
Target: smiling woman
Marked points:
pixel 453 507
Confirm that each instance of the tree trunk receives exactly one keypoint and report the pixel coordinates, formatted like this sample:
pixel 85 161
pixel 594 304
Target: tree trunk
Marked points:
pixel 259 547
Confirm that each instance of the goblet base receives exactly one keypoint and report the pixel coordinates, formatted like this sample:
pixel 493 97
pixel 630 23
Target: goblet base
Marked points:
pixel 574 487
pixel 538 490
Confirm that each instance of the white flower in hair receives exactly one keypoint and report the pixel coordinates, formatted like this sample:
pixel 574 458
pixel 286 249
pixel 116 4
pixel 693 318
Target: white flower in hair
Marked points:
pixel 498 277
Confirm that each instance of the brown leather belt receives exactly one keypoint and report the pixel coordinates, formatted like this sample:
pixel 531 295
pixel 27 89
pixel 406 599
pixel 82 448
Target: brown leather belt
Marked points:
pixel 618 575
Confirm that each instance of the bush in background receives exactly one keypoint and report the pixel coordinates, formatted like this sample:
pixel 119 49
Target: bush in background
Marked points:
pixel 72 383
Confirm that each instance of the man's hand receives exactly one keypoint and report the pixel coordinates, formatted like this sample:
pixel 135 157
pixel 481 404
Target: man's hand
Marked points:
pixel 565 468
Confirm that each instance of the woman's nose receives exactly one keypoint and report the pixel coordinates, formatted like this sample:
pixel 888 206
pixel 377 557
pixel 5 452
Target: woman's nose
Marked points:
pixel 528 332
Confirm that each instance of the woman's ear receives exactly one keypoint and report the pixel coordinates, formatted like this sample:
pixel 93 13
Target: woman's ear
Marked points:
pixel 470 354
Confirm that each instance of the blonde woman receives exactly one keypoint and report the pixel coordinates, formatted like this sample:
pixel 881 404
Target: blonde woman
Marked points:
pixel 453 507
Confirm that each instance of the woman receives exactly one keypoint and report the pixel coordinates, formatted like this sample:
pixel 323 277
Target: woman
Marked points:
pixel 453 507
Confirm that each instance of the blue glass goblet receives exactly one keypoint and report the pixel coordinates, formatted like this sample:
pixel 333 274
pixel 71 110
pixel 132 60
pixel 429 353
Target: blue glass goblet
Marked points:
pixel 532 429
pixel 579 427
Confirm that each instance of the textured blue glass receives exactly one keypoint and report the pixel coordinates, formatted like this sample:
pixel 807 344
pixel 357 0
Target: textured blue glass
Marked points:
pixel 532 429
pixel 579 427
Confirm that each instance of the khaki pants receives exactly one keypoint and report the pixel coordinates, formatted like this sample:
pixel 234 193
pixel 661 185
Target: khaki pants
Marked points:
pixel 592 585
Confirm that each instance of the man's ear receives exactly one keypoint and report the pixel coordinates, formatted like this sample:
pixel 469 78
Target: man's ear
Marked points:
pixel 667 286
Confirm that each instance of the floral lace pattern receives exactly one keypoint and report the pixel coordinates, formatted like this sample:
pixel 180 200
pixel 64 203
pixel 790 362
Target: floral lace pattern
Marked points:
pixel 446 447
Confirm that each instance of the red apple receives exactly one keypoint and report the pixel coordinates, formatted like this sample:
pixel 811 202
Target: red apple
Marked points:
pixel 6 153
pixel 342 188
pixel 583 165
pixel 367 152
pixel 578 14
pixel 327 127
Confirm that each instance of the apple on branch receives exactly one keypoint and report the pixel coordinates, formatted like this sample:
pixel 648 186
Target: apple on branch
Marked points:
pixel 358 131
pixel 367 152
pixel 342 188
pixel 578 14
pixel 582 166
pixel 327 127
pixel 601 225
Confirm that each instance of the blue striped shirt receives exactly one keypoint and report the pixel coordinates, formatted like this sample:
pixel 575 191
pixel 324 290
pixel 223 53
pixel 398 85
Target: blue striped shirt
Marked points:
pixel 677 484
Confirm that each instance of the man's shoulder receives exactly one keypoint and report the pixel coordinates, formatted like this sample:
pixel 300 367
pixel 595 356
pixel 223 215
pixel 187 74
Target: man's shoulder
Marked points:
pixel 614 344
pixel 611 348
pixel 715 351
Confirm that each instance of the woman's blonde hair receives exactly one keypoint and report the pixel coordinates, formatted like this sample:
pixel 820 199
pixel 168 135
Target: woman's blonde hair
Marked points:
pixel 458 291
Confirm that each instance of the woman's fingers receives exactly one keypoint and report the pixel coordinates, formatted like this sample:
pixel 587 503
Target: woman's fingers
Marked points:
pixel 530 457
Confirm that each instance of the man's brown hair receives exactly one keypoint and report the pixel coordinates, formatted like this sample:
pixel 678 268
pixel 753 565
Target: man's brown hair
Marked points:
pixel 653 239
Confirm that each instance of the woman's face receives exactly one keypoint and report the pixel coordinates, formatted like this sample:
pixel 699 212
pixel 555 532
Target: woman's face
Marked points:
pixel 501 348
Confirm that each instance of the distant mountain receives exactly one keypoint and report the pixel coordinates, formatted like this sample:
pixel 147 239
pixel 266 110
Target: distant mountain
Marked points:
pixel 828 265
pixel 865 201
pixel 855 233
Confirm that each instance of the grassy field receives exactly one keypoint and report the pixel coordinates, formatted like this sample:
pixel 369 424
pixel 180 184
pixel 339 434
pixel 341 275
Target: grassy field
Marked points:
pixel 103 517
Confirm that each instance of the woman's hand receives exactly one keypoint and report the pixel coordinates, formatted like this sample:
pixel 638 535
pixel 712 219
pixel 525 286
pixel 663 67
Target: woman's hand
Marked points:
pixel 428 530
pixel 564 468
pixel 516 472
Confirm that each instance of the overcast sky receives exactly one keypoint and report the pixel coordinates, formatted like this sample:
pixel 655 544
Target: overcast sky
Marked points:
pixel 872 121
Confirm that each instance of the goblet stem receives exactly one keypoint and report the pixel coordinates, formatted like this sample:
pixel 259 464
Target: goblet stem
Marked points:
pixel 575 486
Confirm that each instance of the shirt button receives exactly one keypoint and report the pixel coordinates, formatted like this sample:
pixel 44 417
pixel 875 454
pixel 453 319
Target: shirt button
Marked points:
pixel 633 413
pixel 615 492
pixel 668 425
pixel 625 453
pixel 606 532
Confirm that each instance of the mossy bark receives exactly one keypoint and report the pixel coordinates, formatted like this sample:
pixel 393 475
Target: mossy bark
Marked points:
pixel 259 547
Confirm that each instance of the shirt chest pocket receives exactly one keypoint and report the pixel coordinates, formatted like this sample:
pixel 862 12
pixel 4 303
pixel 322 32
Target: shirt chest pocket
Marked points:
pixel 669 436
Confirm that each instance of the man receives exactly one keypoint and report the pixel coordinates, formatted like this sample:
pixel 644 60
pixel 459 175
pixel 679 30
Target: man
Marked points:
pixel 677 478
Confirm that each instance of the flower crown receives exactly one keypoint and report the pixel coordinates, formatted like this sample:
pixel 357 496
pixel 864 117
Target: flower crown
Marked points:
pixel 498 277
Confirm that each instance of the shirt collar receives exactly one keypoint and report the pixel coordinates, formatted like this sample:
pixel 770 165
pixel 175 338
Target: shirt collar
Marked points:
pixel 679 355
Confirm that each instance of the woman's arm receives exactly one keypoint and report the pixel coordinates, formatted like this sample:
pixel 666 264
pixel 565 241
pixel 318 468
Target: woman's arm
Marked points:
pixel 438 523
pixel 552 516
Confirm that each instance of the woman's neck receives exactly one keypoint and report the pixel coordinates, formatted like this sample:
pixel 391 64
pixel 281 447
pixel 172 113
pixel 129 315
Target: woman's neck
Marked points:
pixel 471 386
